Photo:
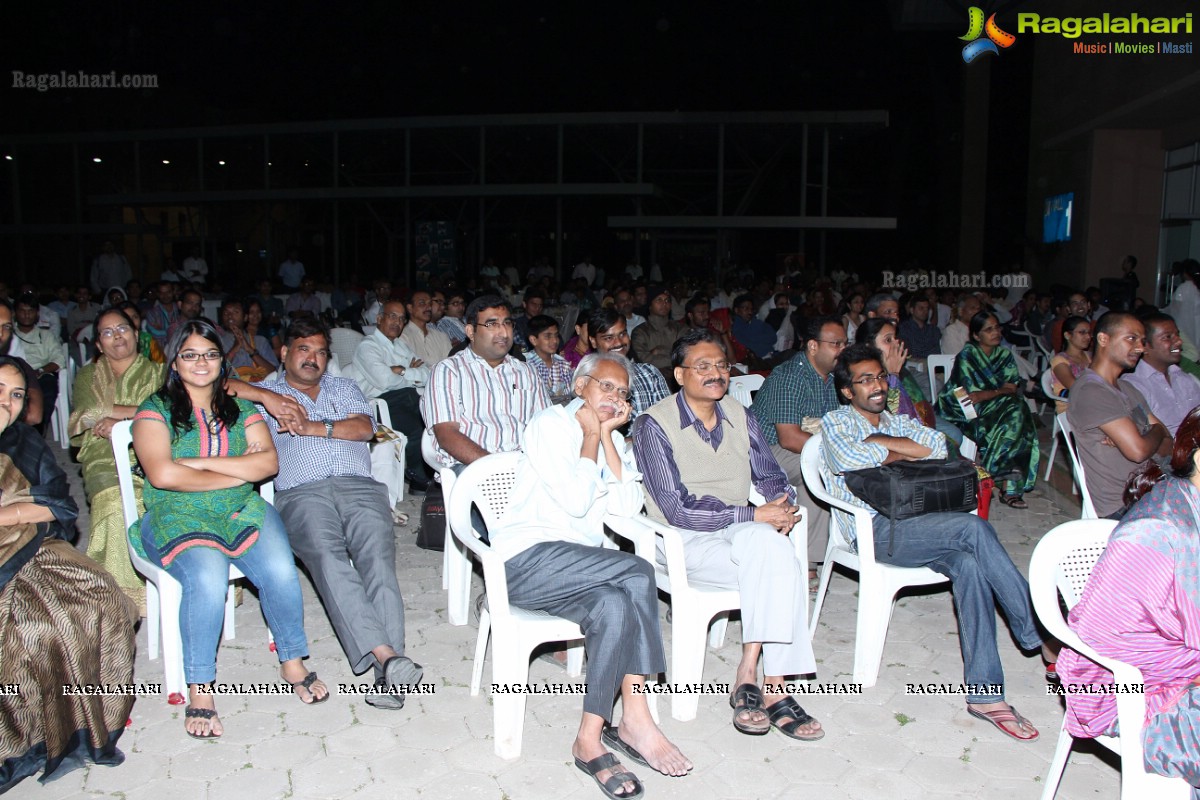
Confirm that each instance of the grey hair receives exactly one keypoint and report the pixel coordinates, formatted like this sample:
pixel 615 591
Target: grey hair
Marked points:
pixel 591 361
pixel 876 300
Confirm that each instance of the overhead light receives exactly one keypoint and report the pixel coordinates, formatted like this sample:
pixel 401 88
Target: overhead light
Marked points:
pixel 222 163
pixel 166 161
pixel 8 158
pixel 96 160
pixel 268 163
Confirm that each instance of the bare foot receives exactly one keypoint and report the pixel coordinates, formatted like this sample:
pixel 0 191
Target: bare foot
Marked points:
pixel 659 752
pixel 586 751
pixel 294 672
pixel 199 725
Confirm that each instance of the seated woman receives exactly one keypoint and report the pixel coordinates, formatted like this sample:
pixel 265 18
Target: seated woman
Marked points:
pixel 1073 360
pixel 577 346
pixel 146 345
pixel 63 620
pixel 256 326
pixel 1141 605
pixel 905 395
pixel 107 391
pixel 202 452
pixel 1003 425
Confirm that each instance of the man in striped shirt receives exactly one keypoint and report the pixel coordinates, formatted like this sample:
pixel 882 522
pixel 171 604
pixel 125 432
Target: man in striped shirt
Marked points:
pixel 480 399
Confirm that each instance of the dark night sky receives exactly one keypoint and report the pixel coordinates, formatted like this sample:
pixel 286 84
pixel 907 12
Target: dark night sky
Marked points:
pixel 225 63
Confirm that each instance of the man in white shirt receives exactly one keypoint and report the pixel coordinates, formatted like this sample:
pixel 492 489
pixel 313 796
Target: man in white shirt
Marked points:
pixel 385 367
pixel 958 332
pixel 420 335
pixel 291 272
pixel 109 269
pixel 623 303
pixel 195 268
pixel 41 348
pixel 574 470
pixel 585 269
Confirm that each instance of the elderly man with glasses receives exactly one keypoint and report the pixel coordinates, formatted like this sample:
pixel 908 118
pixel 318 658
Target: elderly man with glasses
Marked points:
pixel 700 452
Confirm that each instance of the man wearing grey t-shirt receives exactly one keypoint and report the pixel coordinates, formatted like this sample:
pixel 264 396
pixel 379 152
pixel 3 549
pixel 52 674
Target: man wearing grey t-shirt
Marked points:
pixel 1114 429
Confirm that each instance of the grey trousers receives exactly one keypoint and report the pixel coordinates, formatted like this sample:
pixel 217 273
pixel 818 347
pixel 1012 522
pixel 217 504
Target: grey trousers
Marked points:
pixel 341 529
pixel 758 561
pixel 613 598
pixel 817 512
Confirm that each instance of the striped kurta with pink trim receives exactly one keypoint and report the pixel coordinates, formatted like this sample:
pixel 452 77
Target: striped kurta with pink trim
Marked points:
pixel 1137 610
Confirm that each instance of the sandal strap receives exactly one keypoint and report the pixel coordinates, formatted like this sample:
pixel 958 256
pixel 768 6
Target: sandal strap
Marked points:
pixel 606 761
pixel 192 712
pixel 748 697
pixel 308 681
pixel 788 708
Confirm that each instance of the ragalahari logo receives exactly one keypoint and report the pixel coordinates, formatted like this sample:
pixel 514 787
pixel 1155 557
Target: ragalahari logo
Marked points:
pixel 976 28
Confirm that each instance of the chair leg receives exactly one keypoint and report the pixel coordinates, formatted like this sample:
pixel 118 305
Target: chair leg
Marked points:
pixel 1053 448
pixel 481 643
pixel 575 659
pixel 446 558
pixel 1057 764
pixel 172 643
pixel 716 634
pixel 458 591
pixel 230 605
pixel 510 667
pixel 688 632
pixel 153 621
pixel 819 602
pixel 874 614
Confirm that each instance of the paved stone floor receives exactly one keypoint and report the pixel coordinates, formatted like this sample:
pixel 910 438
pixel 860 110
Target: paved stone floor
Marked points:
pixel 882 744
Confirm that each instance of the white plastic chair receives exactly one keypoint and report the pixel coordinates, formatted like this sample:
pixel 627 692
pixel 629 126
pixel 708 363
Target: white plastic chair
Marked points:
pixel 164 594
pixel 342 343
pixel 741 387
pixel 62 405
pixel 514 632
pixel 456 564
pixel 1064 424
pixel 1061 564
pixel 388 474
pixel 694 605
pixel 1056 429
pixel 877 583
pixel 943 362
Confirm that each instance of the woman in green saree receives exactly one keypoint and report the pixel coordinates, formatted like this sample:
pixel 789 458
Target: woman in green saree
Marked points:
pixel 1003 427
pixel 109 390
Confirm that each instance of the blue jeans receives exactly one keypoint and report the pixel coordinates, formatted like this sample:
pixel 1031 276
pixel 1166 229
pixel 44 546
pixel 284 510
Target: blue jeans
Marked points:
pixel 965 549
pixel 204 574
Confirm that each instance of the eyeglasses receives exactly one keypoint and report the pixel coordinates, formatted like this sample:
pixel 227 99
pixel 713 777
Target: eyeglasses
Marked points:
pixel 211 355
pixel 870 379
pixel 837 343
pixel 608 387
pixel 705 367
pixel 108 333
pixel 395 316
pixel 492 324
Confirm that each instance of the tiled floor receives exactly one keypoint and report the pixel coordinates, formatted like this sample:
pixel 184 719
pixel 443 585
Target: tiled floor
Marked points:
pixel 881 744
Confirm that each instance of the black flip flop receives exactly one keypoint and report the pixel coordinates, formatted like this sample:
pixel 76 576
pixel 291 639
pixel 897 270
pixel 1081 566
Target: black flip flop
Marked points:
pixel 611 737
pixel 307 683
pixel 611 786
pixel 749 697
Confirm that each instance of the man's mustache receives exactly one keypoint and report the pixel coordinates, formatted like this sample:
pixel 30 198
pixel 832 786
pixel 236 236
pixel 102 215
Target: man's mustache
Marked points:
pixel 718 381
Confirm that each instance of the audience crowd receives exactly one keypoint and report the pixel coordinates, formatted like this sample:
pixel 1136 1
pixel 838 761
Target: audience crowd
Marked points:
pixel 616 393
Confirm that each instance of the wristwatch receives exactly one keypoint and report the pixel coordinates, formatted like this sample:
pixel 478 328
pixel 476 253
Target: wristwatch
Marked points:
pixel 328 428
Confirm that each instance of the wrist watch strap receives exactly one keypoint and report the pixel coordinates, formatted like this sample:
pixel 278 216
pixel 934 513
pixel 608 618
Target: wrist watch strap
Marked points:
pixel 328 428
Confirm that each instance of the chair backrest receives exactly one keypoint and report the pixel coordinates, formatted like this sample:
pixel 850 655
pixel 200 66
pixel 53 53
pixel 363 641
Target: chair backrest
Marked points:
pixel 343 342
pixel 1089 510
pixel 1062 563
pixel 383 414
pixel 936 362
pixel 1048 388
pixel 742 386
pixel 570 318
pixel 812 467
